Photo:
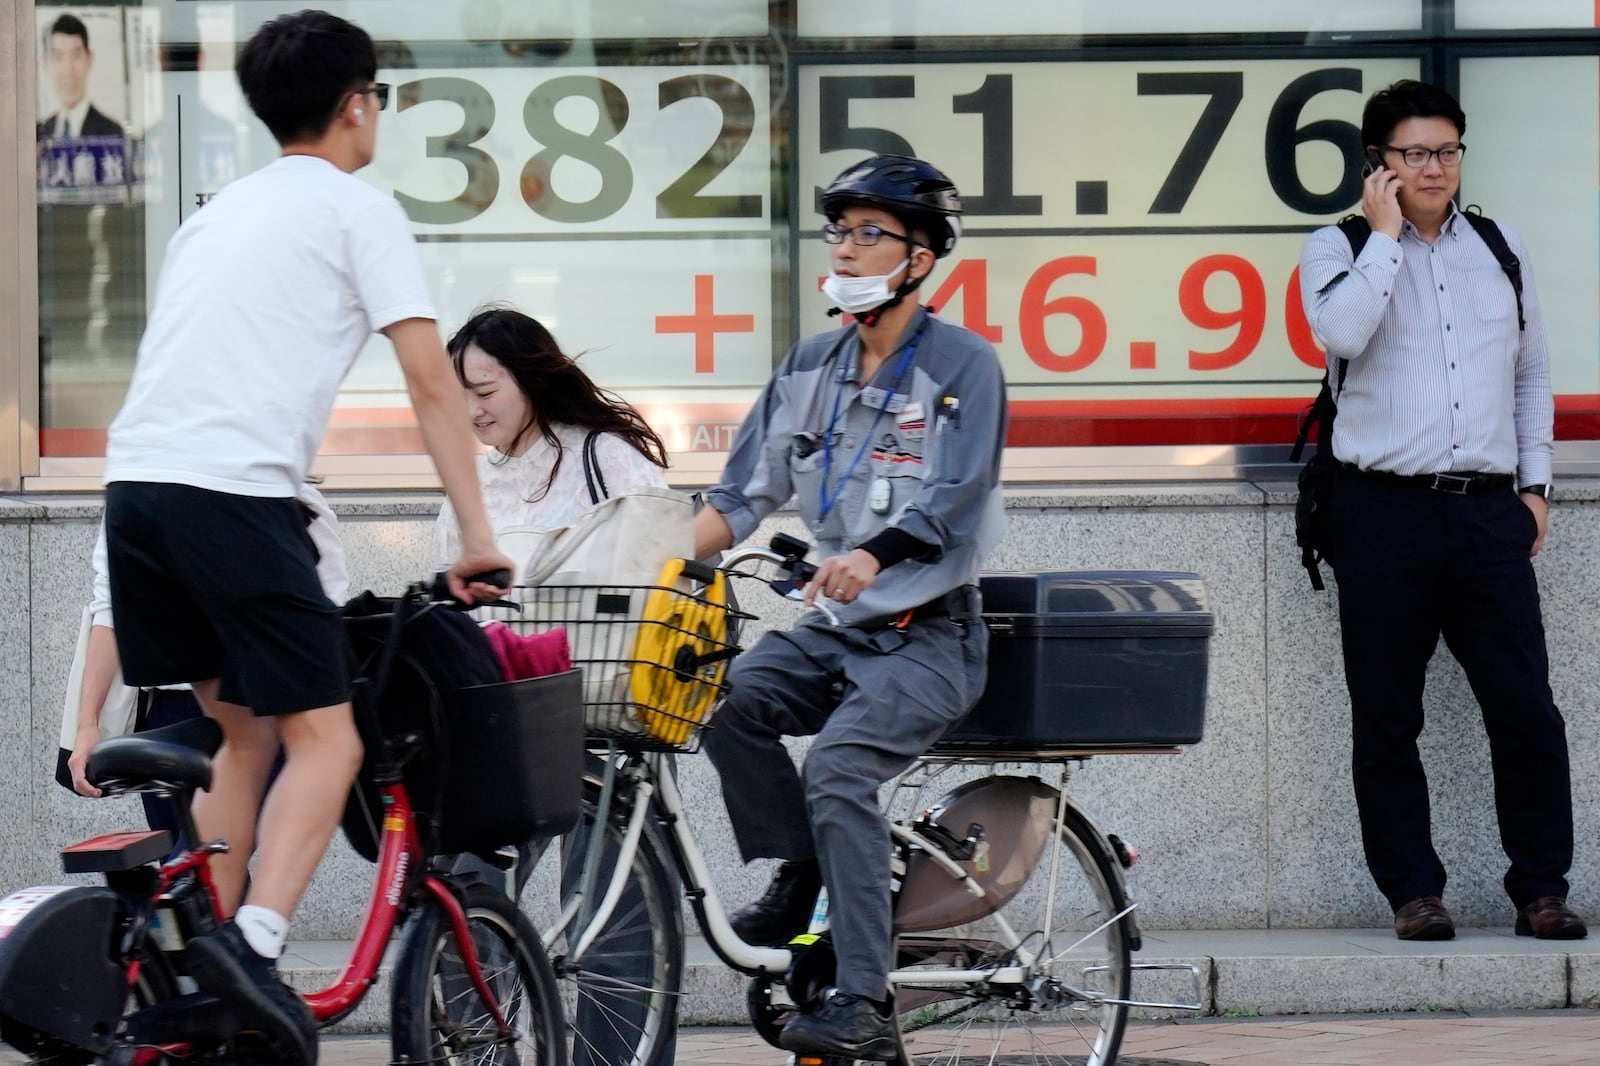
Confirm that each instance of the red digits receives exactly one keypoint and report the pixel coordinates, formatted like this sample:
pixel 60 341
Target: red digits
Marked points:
pixel 1250 317
pixel 1036 308
pixel 1301 340
pixel 970 278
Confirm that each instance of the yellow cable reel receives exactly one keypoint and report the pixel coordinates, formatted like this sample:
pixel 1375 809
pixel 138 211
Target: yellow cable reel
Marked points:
pixel 673 689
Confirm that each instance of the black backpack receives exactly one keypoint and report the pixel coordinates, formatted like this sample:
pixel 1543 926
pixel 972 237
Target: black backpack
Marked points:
pixel 1316 477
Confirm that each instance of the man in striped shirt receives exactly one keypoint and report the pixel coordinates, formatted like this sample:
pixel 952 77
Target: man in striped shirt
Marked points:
pixel 1444 436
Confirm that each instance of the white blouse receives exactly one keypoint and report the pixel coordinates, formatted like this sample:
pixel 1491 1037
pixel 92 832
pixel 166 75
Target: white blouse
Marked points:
pixel 512 486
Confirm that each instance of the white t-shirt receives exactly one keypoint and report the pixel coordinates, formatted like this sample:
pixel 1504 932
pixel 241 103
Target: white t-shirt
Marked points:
pixel 266 296
pixel 512 487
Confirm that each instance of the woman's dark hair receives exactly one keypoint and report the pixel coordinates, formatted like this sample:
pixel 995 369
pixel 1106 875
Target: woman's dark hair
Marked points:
pixel 297 69
pixel 1392 105
pixel 556 388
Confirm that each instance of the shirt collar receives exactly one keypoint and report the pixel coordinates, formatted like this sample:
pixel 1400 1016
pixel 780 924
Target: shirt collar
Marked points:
pixel 76 116
pixel 1447 227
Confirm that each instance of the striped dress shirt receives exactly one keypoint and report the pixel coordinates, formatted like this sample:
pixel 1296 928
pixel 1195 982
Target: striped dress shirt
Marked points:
pixel 1440 378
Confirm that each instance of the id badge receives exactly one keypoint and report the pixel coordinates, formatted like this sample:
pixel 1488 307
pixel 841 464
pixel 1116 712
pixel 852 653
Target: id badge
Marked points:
pixel 879 496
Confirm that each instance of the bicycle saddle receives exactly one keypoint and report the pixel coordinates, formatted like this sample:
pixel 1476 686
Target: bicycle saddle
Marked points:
pixel 176 756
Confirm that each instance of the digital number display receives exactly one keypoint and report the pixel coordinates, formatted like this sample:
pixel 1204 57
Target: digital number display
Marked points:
pixel 619 150
pixel 1141 249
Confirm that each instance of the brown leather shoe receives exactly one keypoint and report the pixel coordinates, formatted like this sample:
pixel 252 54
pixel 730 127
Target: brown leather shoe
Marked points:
pixel 1424 919
pixel 1549 918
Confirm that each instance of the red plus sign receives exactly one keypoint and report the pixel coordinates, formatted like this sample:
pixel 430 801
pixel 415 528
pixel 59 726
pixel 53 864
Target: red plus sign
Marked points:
pixel 704 324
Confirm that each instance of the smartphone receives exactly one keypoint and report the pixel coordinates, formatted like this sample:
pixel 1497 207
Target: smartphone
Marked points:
pixel 1374 163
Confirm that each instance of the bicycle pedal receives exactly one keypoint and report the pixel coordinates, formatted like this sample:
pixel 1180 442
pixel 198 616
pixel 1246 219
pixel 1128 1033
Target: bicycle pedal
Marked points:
pixel 190 1018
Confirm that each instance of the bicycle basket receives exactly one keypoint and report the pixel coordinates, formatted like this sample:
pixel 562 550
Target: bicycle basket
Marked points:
pixel 653 656
pixel 486 763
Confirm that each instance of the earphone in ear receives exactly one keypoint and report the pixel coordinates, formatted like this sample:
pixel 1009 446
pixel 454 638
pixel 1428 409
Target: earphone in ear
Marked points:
pixel 361 117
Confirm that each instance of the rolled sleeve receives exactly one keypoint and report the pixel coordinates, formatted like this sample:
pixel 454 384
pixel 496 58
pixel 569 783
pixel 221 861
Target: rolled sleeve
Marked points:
pixel 756 480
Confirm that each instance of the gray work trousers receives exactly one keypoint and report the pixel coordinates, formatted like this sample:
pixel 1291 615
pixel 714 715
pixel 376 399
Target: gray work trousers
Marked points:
pixel 875 699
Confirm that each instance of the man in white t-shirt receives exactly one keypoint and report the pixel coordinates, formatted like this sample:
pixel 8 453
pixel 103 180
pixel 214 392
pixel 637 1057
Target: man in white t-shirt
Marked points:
pixel 266 296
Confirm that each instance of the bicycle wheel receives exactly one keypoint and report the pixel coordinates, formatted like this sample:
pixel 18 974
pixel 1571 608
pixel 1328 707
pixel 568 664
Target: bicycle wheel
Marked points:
pixel 621 996
pixel 1050 1009
pixel 439 1016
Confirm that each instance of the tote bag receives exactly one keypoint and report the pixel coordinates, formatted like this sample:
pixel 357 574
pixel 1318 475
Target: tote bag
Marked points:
pixel 594 576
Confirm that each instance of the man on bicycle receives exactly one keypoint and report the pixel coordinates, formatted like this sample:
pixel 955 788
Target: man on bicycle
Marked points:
pixel 888 434
pixel 266 296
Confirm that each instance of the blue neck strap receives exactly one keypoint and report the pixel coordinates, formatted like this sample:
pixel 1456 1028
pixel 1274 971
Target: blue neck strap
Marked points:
pixel 828 499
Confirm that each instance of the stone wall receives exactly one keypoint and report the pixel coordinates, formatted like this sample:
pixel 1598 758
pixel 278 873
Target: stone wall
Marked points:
pixel 1252 828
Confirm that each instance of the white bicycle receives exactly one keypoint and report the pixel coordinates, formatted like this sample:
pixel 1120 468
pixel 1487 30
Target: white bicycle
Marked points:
pixel 1012 921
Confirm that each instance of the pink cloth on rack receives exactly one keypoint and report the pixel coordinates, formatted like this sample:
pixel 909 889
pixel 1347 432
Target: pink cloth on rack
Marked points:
pixel 529 655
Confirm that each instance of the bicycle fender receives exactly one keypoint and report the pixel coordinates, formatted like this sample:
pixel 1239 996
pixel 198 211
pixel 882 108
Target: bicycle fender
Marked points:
pixel 59 979
pixel 1097 840
pixel 1018 813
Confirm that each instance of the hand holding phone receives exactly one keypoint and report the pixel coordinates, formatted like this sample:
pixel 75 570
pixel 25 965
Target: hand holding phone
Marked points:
pixel 1380 199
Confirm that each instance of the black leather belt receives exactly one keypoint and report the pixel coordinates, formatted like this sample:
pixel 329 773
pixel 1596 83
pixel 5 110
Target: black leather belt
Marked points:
pixel 1467 484
pixel 960 604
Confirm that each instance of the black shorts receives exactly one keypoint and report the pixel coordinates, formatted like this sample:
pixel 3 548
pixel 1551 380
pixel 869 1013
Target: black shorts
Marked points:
pixel 209 584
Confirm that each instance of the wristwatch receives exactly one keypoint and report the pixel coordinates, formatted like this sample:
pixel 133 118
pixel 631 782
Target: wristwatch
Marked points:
pixel 1536 490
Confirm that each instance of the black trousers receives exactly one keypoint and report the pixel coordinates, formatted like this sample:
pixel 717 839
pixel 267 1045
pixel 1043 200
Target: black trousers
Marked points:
pixel 1414 564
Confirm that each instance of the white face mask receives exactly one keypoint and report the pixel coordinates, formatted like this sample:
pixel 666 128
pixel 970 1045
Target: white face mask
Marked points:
pixel 855 295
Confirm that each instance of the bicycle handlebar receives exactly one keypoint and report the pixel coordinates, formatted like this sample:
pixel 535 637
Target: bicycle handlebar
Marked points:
pixel 788 555
pixel 439 590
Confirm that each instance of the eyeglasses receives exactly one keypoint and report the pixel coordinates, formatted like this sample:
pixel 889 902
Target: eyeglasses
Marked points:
pixel 379 89
pixel 864 236
pixel 1417 157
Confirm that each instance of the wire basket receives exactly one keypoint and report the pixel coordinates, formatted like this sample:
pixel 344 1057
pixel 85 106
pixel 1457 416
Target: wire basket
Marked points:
pixel 654 657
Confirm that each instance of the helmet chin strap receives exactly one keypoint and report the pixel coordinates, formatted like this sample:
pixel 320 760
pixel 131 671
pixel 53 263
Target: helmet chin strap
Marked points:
pixel 870 318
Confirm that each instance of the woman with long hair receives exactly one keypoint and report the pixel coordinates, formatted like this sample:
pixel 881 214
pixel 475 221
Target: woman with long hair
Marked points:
pixel 534 407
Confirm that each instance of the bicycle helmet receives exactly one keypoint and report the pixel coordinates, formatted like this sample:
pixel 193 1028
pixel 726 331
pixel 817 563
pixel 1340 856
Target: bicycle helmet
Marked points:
pixel 917 192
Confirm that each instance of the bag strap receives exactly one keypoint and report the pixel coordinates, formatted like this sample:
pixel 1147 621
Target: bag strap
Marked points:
pixel 1321 413
pixel 1508 260
pixel 1357 229
pixel 591 470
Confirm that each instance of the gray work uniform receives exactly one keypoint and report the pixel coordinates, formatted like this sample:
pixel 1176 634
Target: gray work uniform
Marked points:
pixel 876 695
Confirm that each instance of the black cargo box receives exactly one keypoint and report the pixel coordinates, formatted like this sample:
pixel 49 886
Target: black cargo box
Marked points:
pixel 1080 660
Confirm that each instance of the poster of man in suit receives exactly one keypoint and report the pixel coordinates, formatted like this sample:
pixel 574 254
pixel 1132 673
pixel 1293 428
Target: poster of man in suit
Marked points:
pixel 83 98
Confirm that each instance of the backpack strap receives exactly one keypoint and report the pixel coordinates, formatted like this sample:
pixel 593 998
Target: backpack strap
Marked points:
pixel 1508 260
pixel 591 469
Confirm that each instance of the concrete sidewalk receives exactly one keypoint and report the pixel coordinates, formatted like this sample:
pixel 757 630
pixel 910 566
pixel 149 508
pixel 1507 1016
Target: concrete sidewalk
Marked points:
pixel 1242 974
pixel 1524 1038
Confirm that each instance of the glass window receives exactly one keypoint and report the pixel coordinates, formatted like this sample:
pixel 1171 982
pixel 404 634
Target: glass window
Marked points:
pixel 643 178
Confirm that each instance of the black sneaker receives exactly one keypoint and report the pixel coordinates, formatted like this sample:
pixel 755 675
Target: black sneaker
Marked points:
pixel 851 1026
pixel 224 964
pixel 784 911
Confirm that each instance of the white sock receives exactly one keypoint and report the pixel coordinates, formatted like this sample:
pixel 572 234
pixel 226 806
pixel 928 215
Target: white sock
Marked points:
pixel 263 929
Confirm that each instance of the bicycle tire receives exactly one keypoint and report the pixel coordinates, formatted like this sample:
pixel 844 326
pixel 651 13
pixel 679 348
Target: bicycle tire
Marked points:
pixel 1058 1016
pixel 616 1015
pixel 439 1017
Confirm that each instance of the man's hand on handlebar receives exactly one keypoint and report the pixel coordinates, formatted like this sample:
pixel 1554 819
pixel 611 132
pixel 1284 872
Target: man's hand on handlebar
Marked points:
pixel 843 577
pixel 473 579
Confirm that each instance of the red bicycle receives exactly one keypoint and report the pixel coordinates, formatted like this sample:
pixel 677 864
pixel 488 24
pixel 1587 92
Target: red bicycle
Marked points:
pixel 96 974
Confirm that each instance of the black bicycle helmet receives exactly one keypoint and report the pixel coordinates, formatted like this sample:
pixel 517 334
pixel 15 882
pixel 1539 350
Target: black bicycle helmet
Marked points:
pixel 917 192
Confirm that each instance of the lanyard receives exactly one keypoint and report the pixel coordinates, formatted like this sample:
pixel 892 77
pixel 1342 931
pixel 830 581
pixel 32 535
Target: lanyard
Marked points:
pixel 827 499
